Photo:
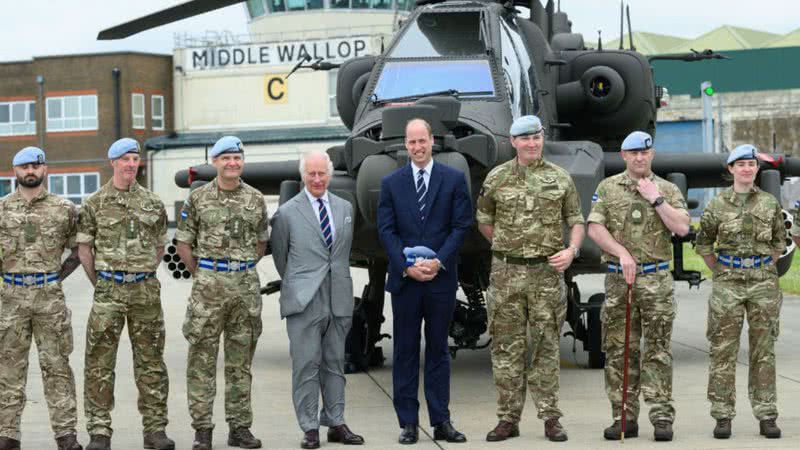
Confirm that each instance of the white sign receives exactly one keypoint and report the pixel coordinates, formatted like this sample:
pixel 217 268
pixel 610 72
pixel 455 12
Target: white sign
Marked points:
pixel 275 54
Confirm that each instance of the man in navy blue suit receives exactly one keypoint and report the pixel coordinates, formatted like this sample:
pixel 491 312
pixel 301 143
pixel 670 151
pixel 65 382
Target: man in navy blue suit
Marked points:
pixel 423 204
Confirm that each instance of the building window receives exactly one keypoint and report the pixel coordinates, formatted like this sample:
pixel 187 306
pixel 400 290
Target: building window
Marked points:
pixel 72 113
pixel 157 111
pixel 332 109
pixel 137 102
pixel 74 186
pixel 276 5
pixel 255 8
pixel 17 118
pixel 7 185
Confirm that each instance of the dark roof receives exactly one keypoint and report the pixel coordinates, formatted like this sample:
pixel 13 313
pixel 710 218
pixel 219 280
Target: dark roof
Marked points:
pixel 272 136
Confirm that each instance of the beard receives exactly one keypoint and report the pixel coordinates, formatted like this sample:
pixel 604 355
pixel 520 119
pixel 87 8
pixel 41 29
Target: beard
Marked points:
pixel 30 181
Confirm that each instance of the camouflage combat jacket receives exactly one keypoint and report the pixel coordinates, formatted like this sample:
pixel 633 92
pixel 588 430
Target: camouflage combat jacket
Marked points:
pixel 754 228
pixel 223 224
pixel 124 227
pixel 632 220
pixel 33 235
pixel 528 206
pixel 795 230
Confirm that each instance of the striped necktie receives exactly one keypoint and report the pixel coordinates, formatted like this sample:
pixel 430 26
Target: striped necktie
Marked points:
pixel 325 224
pixel 421 191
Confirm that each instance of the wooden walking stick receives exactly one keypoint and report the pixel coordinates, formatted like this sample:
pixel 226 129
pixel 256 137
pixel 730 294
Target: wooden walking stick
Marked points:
pixel 628 301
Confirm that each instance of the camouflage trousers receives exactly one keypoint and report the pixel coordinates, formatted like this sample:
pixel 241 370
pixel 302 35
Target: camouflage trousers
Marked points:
pixel 736 293
pixel 522 300
pixel 228 303
pixel 42 314
pixel 140 305
pixel 649 364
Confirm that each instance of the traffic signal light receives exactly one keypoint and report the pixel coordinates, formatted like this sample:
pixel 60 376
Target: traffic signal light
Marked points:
pixel 707 89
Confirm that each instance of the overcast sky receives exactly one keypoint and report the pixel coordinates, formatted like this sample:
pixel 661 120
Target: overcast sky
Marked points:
pixel 31 28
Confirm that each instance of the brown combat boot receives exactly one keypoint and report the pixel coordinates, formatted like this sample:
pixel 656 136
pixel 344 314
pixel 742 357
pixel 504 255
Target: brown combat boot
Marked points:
pixel 68 442
pixel 99 442
pixel 723 429
pixel 613 432
pixel 662 430
pixel 158 441
pixel 769 429
pixel 554 431
pixel 7 443
pixel 503 431
pixel 202 439
pixel 242 437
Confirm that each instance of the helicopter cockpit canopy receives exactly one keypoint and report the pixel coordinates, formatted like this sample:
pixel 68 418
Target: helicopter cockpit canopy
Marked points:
pixel 439 51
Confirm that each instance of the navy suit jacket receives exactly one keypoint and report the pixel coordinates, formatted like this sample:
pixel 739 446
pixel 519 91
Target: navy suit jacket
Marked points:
pixel 448 219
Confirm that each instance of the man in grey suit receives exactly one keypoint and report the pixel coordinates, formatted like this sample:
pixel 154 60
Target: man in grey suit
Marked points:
pixel 311 239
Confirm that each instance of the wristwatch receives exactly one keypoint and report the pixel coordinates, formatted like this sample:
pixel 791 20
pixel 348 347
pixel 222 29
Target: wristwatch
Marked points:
pixel 658 201
pixel 575 250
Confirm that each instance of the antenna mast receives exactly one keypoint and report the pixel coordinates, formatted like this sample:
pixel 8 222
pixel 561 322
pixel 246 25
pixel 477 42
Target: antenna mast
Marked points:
pixel 630 32
pixel 621 24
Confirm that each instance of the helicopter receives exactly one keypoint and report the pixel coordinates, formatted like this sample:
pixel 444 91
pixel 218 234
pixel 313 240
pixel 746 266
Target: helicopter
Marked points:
pixel 469 68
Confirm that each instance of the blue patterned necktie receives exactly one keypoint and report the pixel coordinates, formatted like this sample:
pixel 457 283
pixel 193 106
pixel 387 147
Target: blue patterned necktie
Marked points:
pixel 325 224
pixel 421 191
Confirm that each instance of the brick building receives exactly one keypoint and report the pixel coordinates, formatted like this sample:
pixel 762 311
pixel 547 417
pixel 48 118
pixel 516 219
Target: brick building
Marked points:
pixel 75 106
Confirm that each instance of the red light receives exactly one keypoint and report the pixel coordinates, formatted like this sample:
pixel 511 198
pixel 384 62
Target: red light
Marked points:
pixel 771 159
pixel 192 175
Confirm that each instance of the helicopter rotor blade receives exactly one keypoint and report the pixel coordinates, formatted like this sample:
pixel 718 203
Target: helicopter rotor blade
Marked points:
pixel 163 17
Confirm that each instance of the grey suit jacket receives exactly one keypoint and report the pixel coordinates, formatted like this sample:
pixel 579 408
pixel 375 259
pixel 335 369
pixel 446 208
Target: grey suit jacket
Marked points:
pixel 303 259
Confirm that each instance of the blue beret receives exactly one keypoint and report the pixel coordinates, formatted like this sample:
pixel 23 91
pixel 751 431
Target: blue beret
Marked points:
pixel 227 144
pixel 638 140
pixel 745 151
pixel 29 155
pixel 526 125
pixel 123 146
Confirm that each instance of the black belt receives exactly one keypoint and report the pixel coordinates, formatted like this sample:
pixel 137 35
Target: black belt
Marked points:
pixel 519 261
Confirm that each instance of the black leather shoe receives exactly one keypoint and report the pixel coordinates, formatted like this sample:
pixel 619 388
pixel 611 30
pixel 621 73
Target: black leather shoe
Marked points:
pixel 769 429
pixel 68 442
pixel 310 439
pixel 409 435
pixel 723 429
pixel 6 443
pixel 445 432
pixel 99 442
pixel 202 439
pixel 344 435
pixel 242 437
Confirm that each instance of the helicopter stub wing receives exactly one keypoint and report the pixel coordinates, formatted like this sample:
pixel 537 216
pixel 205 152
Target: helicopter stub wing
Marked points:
pixel 163 17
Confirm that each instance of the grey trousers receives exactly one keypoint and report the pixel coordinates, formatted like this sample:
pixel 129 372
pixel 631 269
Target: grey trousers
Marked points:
pixel 316 345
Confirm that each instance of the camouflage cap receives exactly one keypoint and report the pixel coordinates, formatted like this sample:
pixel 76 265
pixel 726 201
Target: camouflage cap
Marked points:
pixel 637 141
pixel 29 155
pixel 745 151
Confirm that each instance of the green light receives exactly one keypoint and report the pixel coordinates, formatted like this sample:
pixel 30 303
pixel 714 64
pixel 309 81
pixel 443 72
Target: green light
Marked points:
pixel 709 91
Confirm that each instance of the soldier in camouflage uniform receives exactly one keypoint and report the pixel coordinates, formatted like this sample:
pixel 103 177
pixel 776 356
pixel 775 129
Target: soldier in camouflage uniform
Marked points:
pixel 35 229
pixel 522 209
pixel 121 236
pixel 744 226
pixel 633 216
pixel 223 234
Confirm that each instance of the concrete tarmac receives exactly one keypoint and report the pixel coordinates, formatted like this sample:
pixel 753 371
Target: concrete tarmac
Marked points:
pixel 369 408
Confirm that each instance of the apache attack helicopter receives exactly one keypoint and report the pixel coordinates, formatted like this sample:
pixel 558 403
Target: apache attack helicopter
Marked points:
pixel 470 67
